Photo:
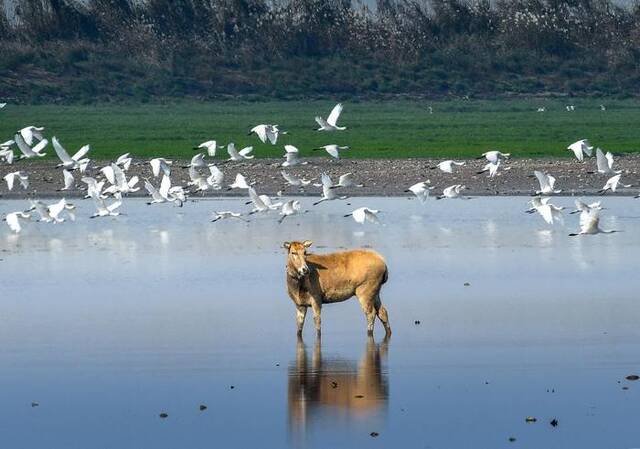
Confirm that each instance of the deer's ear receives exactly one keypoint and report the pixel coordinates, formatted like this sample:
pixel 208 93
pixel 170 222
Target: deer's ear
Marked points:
pixel 307 243
pixel 286 245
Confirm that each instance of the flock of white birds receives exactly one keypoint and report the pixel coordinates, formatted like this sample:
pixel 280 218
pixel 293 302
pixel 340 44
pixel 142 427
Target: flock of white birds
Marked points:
pixel 109 187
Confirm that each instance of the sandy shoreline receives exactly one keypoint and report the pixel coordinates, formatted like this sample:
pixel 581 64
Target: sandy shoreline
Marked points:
pixel 381 177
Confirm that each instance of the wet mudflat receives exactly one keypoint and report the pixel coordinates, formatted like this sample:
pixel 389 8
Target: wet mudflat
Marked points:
pixel 107 323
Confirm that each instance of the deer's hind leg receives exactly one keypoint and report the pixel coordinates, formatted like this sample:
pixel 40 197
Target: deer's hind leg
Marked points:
pixel 367 295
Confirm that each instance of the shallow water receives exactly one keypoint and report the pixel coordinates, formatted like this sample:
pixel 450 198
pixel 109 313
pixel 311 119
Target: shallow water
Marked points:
pixel 106 323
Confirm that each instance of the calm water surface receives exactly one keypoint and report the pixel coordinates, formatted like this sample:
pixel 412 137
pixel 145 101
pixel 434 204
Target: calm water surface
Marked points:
pixel 107 323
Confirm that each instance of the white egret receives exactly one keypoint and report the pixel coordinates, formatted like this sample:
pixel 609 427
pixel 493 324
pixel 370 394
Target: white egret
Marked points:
pixel 580 148
pixel 13 220
pixel 590 224
pixel 7 154
pixel 240 182
pixel 549 212
pixel 447 166
pixel 226 214
pixel 197 161
pixel 291 207
pixel 165 193
pixel 94 188
pixel 56 209
pixel 68 180
pixel 333 150
pixel 347 180
pixel 107 211
pixel 330 124
pixel 235 155
pixel 293 180
pixel 605 163
pixel 28 151
pixel 584 207
pixel 78 160
pixel 160 164
pixel 547 182
pixel 612 184
pixel 124 161
pixel 292 157
pixel 328 192
pixel 31 133
pixel 261 203
pixel 363 214
pixel 120 183
pixel 267 132
pixel 452 192
pixel 23 178
pixel 216 178
pixel 211 146
pixel 421 190
pixel 494 156
pixel 492 168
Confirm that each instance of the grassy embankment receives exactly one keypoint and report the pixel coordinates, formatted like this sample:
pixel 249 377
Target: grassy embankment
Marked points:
pixel 394 129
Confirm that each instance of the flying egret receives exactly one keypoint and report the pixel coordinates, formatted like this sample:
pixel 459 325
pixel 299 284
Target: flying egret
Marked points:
pixel 452 192
pixel 541 109
pixel 31 133
pixel 261 203
pixel 447 166
pixel 612 184
pixel 494 156
pixel 13 220
pixel 94 188
pixel 235 155
pixel 42 210
pixel 547 182
pixel 330 124
pixel 120 183
pixel 56 209
pixel 166 193
pixel 211 146
pixel 78 160
pixel 605 163
pixel 7 154
pixel 363 214
pixel 590 224
pixel 107 211
pixel 20 176
pixel 216 177
pixel 68 179
pixel 293 180
pixel 584 207
pixel 124 161
pixel 240 182
pixel 223 215
pixel 347 180
pixel 492 168
pixel 328 192
pixel 292 157
pixel 580 148
pixel 197 161
pixel 549 212
pixel 291 207
pixel 333 150
pixel 160 164
pixel 421 190
pixel 28 151
pixel 267 132
pixel 2 105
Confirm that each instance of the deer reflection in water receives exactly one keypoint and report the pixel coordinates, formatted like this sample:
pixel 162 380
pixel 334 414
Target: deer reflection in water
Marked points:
pixel 323 390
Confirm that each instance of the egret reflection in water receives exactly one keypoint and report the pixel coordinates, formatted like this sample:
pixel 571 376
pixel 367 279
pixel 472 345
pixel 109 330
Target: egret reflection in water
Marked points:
pixel 337 391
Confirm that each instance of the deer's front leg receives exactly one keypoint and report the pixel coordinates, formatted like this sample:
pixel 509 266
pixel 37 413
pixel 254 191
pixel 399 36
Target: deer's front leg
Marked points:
pixel 317 308
pixel 301 313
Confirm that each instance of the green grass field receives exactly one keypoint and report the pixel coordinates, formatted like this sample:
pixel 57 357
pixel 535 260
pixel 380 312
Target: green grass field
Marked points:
pixel 393 129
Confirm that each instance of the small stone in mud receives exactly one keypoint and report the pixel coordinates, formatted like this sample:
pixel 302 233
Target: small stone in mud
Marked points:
pixel 632 377
pixel 203 407
pixel 530 419
pixel 467 284
pixel 374 434
pixel 334 384
pixel 164 415
pixel 554 422
pixel 358 396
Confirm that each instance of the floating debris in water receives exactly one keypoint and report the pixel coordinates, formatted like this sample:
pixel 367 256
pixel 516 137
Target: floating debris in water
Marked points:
pixel 34 404
pixel 164 415
pixel 374 434
pixel 512 439
pixel 334 384
pixel 632 377
pixel 530 419
pixel 416 322
pixel 554 422
pixel 625 388
pixel 358 396
pixel 232 387
pixel 203 407
pixel 467 284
